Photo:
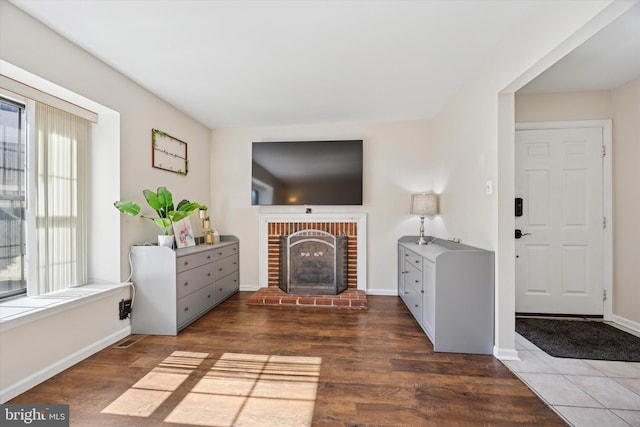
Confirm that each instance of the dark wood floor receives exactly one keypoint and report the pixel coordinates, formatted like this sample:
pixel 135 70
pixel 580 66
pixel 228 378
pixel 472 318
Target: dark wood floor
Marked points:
pixel 377 369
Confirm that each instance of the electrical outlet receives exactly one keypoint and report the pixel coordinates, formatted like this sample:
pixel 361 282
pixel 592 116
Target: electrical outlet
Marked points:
pixel 124 308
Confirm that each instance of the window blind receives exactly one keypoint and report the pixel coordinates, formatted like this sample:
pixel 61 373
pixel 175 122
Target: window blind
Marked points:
pixel 62 142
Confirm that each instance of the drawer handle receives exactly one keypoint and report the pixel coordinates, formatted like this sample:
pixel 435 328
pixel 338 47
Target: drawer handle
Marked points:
pixel 220 269
pixel 406 292
pixel 417 281
pixel 186 309
pixel 235 280
pixel 208 256
pixel 417 261
pixel 422 291
pixel 209 296
pixel 186 283
pixel 220 289
pixel 186 263
pixel 219 253
pixel 416 305
pixel 234 263
pixel 406 254
pixel 208 274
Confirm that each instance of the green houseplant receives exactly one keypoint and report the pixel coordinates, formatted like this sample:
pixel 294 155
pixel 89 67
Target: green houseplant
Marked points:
pixel 162 203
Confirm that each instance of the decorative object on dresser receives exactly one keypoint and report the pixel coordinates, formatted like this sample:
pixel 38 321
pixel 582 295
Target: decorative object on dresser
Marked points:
pixel 209 238
pixel 448 288
pixel 176 287
pixel 203 212
pixel 161 202
pixel 184 234
pixel 423 205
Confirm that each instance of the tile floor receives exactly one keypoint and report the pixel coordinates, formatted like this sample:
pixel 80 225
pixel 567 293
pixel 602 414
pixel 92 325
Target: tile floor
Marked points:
pixel 584 392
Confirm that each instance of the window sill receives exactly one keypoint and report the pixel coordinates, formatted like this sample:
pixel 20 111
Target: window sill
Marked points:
pixel 19 311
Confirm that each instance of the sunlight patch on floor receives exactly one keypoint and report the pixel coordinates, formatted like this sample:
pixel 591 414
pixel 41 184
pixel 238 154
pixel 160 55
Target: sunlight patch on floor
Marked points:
pixel 239 389
pixel 244 389
pixel 145 396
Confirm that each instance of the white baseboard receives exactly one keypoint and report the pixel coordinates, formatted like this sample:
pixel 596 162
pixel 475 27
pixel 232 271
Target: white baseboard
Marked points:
pixel 383 292
pixel 505 354
pixel 249 288
pixel 635 326
pixel 54 369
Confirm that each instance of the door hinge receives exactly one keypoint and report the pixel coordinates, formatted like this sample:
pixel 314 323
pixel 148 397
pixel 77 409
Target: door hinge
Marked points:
pixel 604 295
pixel 604 222
pixel 604 150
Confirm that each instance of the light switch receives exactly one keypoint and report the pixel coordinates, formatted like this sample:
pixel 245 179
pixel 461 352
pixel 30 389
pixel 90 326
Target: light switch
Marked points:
pixel 489 188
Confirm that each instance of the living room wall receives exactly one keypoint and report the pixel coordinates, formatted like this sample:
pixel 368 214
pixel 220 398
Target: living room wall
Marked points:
pixel 395 156
pixel 626 203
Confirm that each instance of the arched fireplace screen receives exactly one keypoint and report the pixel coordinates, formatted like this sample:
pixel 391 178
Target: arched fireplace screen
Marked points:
pixel 313 262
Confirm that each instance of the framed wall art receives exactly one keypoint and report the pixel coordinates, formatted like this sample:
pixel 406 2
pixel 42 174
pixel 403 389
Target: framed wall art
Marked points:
pixel 168 153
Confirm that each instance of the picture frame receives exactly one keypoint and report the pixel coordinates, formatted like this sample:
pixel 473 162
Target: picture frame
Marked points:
pixel 168 153
pixel 183 233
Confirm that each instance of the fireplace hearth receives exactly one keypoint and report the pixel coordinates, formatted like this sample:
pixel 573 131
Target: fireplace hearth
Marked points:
pixel 313 262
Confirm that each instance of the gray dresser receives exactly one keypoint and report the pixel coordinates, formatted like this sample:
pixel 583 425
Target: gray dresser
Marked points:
pixel 176 287
pixel 448 287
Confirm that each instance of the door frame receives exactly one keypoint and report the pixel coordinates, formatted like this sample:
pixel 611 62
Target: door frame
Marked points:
pixel 607 196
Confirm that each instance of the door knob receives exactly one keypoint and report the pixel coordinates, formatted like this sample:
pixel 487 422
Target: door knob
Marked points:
pixel 519 234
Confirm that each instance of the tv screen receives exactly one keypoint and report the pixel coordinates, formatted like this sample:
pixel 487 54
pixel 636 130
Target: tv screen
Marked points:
pixel 307 173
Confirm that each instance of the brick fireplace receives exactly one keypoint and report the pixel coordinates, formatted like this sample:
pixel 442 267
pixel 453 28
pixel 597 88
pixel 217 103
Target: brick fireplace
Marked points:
pixel 272 227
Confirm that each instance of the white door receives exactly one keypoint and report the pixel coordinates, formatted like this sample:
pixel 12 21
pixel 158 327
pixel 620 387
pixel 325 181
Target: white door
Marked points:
pixel 560 256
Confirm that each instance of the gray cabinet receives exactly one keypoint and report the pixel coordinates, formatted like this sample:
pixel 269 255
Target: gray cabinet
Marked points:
pixel 448 288
pixel 176 287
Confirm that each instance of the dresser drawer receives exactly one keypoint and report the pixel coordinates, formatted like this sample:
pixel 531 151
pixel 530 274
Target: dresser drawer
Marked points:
pixel 413 301
pixel 226 287
pixel 187 262
pixel 413 259
pixel 225 267
pixel 191 280
pixel 413 277
pixel 193 305
pixel 225 251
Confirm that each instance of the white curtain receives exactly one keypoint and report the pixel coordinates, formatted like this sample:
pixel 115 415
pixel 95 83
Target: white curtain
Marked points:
pixel 62 142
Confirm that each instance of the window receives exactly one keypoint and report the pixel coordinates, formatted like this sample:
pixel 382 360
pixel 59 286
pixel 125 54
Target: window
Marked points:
pixel 54 209
pixel 13 272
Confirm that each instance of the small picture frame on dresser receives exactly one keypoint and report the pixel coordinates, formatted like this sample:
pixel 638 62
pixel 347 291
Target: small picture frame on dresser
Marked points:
pixel 184 233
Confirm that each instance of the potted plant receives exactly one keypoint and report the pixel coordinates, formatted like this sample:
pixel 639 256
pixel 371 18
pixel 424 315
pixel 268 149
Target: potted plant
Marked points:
pixel 203 211
pixel 161 202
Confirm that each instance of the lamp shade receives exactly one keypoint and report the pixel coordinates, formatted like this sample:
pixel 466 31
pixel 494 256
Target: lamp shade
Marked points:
pixel 424 204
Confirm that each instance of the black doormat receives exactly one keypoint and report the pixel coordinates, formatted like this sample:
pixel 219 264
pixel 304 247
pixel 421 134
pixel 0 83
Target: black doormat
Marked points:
pixel 580 339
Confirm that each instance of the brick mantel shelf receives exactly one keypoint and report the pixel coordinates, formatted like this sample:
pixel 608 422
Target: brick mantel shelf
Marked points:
pixel 354 222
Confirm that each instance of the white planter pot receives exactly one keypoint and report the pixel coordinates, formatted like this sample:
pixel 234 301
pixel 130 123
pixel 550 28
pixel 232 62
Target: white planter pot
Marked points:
pixel 165 240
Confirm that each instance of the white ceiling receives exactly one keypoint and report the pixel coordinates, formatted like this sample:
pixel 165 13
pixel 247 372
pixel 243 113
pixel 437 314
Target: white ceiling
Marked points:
pixel 605 61
pixel 251 62
pixel 244 63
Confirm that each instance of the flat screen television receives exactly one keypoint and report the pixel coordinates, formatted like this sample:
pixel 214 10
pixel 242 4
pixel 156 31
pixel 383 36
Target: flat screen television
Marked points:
pixel 306 173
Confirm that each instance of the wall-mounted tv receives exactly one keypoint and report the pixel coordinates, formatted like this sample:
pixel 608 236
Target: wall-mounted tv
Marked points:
pixel 306 173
